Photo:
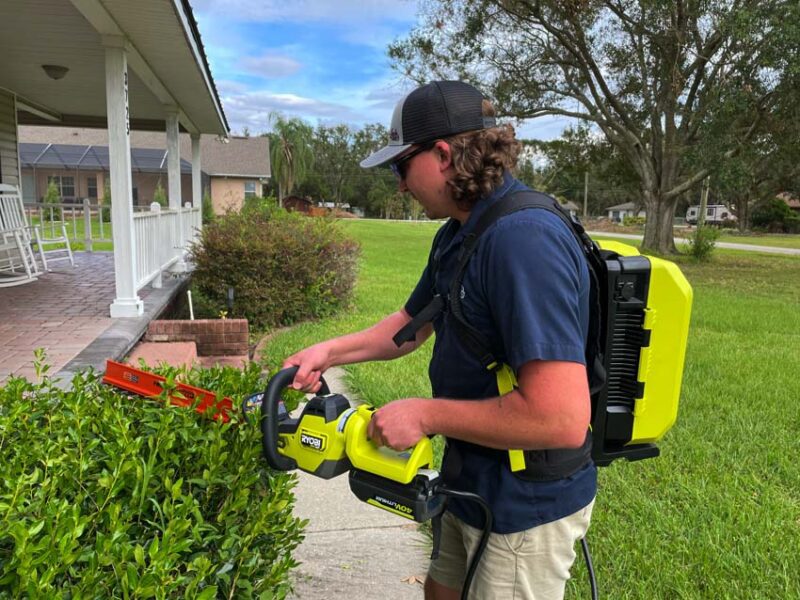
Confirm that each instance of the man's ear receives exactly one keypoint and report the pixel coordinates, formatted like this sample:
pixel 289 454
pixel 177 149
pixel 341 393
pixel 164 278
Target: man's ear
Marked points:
pixel 444 154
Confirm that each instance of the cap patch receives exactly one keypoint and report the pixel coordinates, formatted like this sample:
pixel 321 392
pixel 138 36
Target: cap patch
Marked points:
pixel 393 135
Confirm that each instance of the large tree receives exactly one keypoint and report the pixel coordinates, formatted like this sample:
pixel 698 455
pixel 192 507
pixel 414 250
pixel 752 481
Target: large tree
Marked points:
pixel 648 73
pixel 581 161
pixel 290 152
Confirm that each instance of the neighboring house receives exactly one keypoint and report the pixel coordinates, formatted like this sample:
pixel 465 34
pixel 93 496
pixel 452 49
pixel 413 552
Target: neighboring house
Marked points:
pixel 81 172
pixel 233 169
pixel 573 209
pixel 620 211
pixel 298 204
pixel 791 201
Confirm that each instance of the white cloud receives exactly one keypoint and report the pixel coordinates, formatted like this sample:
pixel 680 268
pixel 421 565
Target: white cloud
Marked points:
pixel 271 65
pixel 340 11
pixel 543 128
pixel 253 109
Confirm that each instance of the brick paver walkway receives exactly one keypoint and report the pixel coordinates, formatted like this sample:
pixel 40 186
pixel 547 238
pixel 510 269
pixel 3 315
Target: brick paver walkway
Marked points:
pixel 62 312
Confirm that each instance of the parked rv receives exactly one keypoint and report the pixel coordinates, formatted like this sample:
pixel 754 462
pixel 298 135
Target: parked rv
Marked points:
pixel 716 214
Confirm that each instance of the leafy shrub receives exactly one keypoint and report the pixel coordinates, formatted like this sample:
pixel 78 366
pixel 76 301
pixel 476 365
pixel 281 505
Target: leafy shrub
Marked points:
pixel 208 208
pixel 106 201
pixel 775 216
pixel 629 221
pixel 702 242
pixel 109 496
pixel 283 267
pixel 52 199
pixel 160 195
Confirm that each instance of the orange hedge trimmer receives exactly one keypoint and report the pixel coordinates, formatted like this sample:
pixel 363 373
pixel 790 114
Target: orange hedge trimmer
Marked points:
pixel 151 385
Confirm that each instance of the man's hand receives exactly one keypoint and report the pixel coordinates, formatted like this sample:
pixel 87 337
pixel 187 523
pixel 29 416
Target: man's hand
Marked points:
pixel 399 424
pixel 312 363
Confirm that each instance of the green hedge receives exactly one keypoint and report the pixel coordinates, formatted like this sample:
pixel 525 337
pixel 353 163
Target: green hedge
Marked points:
pixel 106 495
pixel 283 267
pixel 775 216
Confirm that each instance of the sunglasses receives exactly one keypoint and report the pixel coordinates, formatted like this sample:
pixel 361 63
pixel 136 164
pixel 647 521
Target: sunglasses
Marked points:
pixel 400 166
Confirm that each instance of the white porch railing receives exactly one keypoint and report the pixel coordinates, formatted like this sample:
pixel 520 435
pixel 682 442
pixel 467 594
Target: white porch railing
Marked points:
pixel 162 239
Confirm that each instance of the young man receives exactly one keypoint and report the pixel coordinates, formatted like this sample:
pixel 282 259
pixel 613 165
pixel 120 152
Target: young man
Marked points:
pixel 526 290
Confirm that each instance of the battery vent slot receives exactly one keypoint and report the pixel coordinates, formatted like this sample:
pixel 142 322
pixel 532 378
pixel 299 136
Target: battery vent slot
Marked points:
pixel 627 339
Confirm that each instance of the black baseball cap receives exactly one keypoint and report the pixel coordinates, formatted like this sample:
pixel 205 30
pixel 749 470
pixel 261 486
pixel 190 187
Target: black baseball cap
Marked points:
pixel 436 110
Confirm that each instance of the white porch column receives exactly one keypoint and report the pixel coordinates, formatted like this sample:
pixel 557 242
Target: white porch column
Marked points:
pixel 197 183
pixel 127 302
pixel 173 158
pixel 174 177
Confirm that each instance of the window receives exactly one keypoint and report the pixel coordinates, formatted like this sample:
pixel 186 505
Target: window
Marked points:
pixel 68 187
pixel 64 184
pixel 249 189
pixel 91 187
pixel 709 212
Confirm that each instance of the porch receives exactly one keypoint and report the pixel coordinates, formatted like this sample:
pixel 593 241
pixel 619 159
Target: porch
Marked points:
pixel 119 66
pixel 66 312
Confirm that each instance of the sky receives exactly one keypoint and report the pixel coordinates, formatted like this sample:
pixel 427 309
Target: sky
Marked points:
pixel 322 60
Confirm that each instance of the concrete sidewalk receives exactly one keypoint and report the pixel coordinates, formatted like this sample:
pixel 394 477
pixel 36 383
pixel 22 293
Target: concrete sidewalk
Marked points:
pixel 684 241
pixel 353 550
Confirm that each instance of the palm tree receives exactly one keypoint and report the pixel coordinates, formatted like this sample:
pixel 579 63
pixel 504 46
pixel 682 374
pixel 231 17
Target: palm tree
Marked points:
pixel 290 152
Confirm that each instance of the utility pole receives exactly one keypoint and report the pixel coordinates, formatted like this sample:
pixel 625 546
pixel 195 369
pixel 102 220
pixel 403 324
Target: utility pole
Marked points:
pixel 701 216
pixel 585 194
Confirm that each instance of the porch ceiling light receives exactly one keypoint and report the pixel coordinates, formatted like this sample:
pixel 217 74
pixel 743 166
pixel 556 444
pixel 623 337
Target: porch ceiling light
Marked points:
pixel 55 72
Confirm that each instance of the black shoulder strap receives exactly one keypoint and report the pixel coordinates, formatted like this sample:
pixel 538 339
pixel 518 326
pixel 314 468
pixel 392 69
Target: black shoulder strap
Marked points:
pixel 431 310
pixel 473 339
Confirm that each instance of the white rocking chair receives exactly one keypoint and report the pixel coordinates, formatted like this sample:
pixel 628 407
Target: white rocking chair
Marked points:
pixel 17 264
pixel 14 218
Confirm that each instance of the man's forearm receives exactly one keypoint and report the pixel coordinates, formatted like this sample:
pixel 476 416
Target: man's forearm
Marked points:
pixel 511 424
pixel 375 343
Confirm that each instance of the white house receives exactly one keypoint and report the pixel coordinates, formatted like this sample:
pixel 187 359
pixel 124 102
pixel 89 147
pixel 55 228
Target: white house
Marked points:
pixel 620 211
pixel 118 65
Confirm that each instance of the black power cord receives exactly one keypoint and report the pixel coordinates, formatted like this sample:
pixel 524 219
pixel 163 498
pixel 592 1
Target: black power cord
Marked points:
pixel 487 529
pixel 589 567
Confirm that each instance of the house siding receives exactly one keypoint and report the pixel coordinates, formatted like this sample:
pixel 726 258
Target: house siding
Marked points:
pixel 9 163
pixel 145 184
pixel 228 193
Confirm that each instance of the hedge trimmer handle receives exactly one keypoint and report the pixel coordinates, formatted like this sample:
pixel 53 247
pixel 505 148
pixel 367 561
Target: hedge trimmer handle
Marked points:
pixel 270 417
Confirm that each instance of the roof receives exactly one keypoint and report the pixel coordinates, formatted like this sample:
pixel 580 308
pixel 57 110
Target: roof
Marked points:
pixel 91 158
pixel 570 205
pixel 239 157
pixel 623 206
pixel 167 65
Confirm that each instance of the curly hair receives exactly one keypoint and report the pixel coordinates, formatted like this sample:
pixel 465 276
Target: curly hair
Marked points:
pixel 479 159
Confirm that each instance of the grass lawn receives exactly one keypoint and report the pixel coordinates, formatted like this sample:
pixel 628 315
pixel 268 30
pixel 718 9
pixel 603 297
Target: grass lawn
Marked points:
pixel 776 240
pixel 76 230
pixel 718 514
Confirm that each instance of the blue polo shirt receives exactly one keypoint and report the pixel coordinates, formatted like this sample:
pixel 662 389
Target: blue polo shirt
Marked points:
pixel 526 289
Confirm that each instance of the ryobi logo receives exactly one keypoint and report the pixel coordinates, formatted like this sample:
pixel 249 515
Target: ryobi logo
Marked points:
pixel 314 441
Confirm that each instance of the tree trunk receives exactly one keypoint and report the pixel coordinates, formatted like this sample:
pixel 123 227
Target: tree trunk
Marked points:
pixel 743 214
pixel 658 236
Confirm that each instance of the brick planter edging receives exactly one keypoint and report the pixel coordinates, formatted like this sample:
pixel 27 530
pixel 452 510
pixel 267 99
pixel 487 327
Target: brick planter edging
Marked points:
pixel 213 337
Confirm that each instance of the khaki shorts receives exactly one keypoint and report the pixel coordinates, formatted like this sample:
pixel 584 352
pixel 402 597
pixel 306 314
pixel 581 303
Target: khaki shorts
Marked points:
pixel 529 565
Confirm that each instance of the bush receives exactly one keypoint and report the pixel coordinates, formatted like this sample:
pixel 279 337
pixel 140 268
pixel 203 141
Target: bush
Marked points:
pixel 160 195
pixel 109 496
pixel 703 241
pixel 52 199
pixel 775 216
pixel 106 201
pixel 208 209
pixel 283 267
pixel 629 221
